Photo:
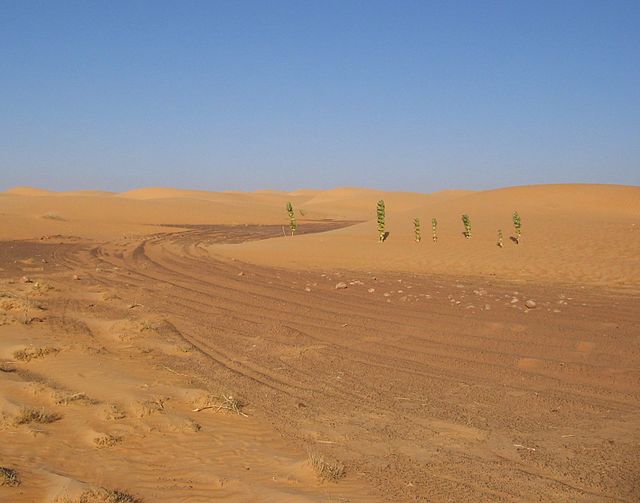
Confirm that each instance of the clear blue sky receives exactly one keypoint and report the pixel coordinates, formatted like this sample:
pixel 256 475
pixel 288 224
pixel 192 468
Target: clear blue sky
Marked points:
pixel 271 94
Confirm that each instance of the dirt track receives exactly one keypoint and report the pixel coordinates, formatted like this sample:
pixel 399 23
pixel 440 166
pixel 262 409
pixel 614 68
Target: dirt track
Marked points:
pixel 422 396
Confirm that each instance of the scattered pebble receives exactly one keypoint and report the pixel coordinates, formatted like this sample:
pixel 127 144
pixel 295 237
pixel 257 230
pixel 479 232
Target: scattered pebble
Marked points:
pixel 371 290
pixel 530 304
pixel 341 285
pixel 26 279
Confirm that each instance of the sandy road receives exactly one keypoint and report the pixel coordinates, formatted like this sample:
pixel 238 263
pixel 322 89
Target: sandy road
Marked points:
pixel 430 388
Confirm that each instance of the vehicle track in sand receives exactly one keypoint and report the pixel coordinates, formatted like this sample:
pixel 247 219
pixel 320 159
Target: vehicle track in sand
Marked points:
pixel 423 396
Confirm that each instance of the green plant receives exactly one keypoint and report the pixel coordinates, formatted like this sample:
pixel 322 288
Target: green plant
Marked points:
pixel 382 235
pixel 466 221
pixel 417 229
pixel 293 225
pixel 434 229
pixel 500 243
pixel 517 224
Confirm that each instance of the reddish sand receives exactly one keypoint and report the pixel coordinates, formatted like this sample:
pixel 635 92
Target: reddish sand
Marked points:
pixel 175 346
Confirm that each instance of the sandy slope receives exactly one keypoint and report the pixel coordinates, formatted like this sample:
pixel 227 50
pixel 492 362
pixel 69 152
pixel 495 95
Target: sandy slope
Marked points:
pixel 427 378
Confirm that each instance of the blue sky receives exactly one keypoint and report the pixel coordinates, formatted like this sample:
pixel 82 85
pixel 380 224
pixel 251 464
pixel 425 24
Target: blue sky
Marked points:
pixel 245 95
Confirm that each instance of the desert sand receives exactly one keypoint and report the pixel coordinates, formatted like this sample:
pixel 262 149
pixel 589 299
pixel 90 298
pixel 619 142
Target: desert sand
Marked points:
pixel 165 345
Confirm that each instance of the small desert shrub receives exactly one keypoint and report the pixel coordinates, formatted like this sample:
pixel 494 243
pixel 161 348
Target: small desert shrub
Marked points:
pixel 434 229
pixel 106 440
pixel 517 225
pixel 8 477
pixel 326 469
pixel 417 230
pixel 293 225
pixel 381 216
pixel 28 354
pixel 466 221
pixel 28 415
pixel 500 241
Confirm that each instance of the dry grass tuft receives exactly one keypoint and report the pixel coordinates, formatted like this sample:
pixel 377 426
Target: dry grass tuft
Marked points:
pixel 106 440
pixel 226 403
pixel 28 354
pixel 326 469
pixel 146 408
pixel 28 415
pixel 8 477
pixel 114 412
pixel 66 397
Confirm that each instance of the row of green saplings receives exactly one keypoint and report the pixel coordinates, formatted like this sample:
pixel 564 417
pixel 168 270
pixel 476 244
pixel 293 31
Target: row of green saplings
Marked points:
pixel 417 226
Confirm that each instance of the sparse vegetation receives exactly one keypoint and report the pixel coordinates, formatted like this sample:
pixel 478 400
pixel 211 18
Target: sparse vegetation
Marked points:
pixel 8 477
pixel 101 495
pixel 331 470
pixel 293 225
pixel 466 221
pixel 28 354
pixel 500 241
pixel 517 224
pixel 28 415
pixel 434 229
pixel 381 216
pixel 417 229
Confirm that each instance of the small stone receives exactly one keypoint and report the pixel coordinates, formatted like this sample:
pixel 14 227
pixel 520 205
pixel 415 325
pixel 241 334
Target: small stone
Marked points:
pixel 530 304
pixel 515 300
pixel 341 286
pixel 26 279
pixel 76 277
pixel 307 289
pixel 371 290
pixel 487 307
pixel 240 273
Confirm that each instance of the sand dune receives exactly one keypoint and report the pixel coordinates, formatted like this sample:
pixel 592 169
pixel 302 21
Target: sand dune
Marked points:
pixel 173 345
pixel 571 233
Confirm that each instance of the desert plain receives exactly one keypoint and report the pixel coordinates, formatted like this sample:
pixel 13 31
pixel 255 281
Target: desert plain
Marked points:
pixel 165 345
